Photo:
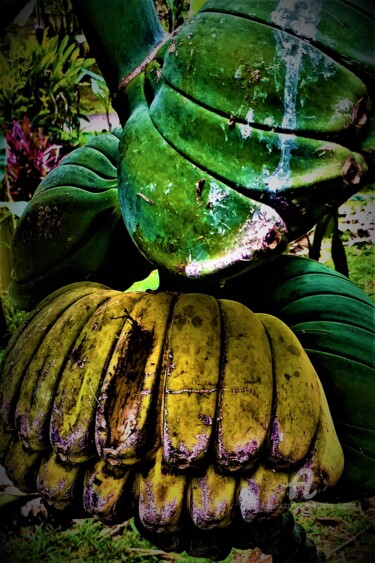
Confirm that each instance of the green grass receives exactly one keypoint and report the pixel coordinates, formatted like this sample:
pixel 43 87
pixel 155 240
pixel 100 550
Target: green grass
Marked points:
pixel 86 540
pixel 341 532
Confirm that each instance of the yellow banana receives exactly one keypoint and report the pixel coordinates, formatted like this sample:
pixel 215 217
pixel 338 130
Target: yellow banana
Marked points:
pixel 191 373
pixel 127 424
pixel 211 499
pixel 22 466
pixel 324 463
pixel 162 497
pixel 60 483
pixel 25 343
pixel 263 494
pixel 246 387
pixel 93 286
pixel 108 493
pixel 76 400
pixel 296 396
pixel 39 384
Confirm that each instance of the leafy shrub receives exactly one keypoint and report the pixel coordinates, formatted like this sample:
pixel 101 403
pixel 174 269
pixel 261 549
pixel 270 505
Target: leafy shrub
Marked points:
pixel 172 13
pixel 42 82
pixel 30 157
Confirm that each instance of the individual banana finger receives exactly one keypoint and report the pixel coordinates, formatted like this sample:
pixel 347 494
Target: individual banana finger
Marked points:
pixel 34 406
pixel 325 462
pixel 26 342
pixel 108 493
pixel 73 415
pixel 246 387
pixel 60 483
pixel 296 396
pixel 127 420
pixel 191 378
pixel 211 499
pixel 263 494
pixel 162 497
pixel 21 466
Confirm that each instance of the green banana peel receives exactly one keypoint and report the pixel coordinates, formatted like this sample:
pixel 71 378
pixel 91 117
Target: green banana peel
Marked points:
pixel 72 229
pixel 121 34
pixel 235 143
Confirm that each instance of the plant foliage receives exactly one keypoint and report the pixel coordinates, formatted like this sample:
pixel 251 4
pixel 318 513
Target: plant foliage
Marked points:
pixel 42 82
pixel 31 155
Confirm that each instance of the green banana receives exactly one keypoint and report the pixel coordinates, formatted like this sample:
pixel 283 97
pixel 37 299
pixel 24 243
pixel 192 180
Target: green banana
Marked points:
pixel 109 493
pixel 212 499
pixel 296 396
pixel 34 405
pixel 342 308
pixel 347 341
pixel 187 126
pixel 190 382
pixel 93 159
pixel 246 387
pixel 316 284
pixel 187 238
pixel 252 103
pixel 60 484
pixel 288 279
pixel 127 420
pixel 361 439
pixel 26 342
pixel 349 386
pixel 162 497
pixel 72 228
pixel 72 427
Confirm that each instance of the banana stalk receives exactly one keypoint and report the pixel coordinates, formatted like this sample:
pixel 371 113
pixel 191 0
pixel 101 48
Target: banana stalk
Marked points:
pixel 121 34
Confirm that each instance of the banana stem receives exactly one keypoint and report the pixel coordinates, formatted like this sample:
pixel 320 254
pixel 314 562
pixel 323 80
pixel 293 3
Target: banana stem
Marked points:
pixel 121 34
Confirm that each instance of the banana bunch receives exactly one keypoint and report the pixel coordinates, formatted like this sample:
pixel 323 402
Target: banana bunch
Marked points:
pixel 262 114
pixel 188 412
pixel 72 228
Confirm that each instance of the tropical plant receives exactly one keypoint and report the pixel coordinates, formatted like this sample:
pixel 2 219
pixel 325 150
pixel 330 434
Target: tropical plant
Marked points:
pixel 30 156
pixel 172 13
pixel 42 82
